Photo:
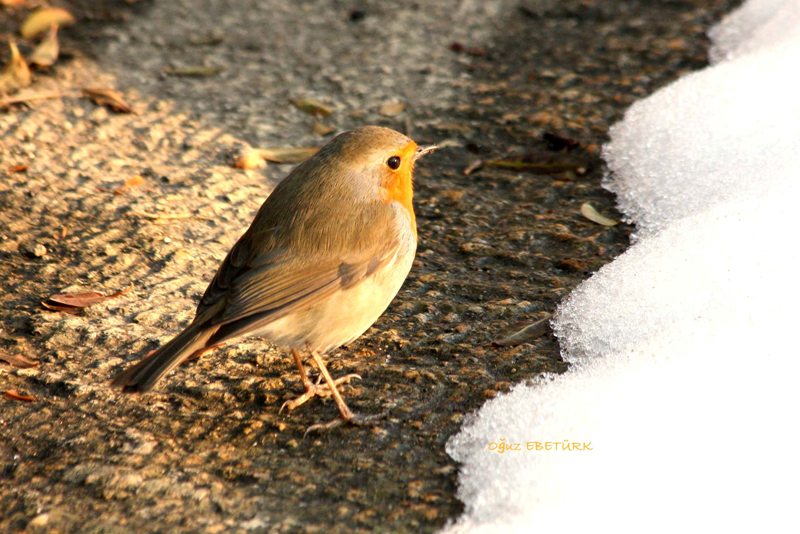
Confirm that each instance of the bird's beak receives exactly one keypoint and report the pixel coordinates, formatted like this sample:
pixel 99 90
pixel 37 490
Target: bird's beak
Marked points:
pixel 421 151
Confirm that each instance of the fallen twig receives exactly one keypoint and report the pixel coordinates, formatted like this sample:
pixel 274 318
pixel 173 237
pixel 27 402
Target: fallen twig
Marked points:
pixel 24 99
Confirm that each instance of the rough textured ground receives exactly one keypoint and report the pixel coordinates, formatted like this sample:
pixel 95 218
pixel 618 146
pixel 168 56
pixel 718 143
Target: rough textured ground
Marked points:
pixel 498 247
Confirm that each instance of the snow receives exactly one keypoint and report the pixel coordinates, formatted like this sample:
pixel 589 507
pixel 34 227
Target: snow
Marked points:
pixel 683 350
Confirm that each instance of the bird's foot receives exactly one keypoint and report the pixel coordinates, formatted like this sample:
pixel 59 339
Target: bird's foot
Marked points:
pixel 316 390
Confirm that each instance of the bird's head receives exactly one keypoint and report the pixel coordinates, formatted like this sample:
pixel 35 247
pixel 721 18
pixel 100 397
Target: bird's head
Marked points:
pixel 378 162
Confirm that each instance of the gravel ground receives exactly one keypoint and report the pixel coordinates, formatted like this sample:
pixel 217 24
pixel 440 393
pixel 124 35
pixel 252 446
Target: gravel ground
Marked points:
pixel 530 85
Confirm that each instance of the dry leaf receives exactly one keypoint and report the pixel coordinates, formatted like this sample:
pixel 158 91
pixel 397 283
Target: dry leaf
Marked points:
pixel 13 394
pixel 312 106
pixel 557 142
pixel 18 360
pixel 133 181
pixel 40 21
pixel 526 334
pixel 28 98
pixel 249 159
pixel 255 158
pixel 17 168
pixel 193 71
pixel 287 154
pixel 46 53
pixel 74 302
pixel 109 98
pixel 536 168
pixel 322 129
pixel 475 51
pixel 588 211
pixel 472 167
pixel 390 109
pixel 16 75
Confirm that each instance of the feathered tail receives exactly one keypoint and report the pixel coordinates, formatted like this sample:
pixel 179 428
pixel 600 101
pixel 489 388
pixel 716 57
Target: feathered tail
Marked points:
pixel 145 374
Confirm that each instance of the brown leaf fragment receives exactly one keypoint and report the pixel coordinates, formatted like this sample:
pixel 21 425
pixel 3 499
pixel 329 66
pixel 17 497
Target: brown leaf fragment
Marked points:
pixel 249 159
pixel 46 53
pixel 72 302
pixel 40 21
pixel 110 98
pixel 17 168
pixel 18 360
pixel 312 106
pixel 526 334
pixel 254 158
pixel 536 168
pixel 322 129
pixel 557 143
pixel 16 74
pixel 13 394
pixel 26 98
pixel 133 181
pixel 475 51
pixel 287 154
pixel 193 71
pixel 472 167
pixel 588 211
pixel 390 109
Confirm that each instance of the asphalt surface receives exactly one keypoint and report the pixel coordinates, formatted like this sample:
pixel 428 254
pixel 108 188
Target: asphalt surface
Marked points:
pixel 522 95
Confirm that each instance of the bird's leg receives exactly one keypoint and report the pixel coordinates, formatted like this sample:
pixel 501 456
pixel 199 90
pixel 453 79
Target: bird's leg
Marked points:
pixel 311 389
pixel 308 386
pixel 347 416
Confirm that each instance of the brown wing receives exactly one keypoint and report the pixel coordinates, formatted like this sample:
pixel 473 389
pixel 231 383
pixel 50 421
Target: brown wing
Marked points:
pixel 261 274
pixel 238 262
pixel 261 280
pixel 263 295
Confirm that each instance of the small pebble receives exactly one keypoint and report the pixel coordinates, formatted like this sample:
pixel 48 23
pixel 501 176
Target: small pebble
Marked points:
pixel 33 250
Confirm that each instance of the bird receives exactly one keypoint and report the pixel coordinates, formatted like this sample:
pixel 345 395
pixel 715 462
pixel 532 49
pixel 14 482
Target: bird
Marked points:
pixel 322 260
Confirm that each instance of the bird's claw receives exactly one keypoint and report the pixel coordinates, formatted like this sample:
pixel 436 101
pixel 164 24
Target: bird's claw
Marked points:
pixel 317 389
pixel 291 404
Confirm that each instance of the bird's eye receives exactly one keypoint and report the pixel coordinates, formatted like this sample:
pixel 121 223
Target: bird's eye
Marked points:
pixel 393 162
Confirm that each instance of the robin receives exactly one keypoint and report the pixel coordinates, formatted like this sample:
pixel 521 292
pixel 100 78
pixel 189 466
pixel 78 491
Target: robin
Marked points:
pixel 323 258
